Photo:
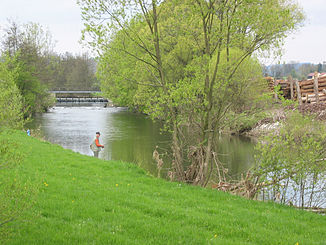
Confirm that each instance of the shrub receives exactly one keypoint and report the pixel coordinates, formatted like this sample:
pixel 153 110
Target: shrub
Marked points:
pixel 11 106
pixel 291 165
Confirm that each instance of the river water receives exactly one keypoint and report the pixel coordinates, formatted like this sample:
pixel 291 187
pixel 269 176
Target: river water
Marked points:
pixel 127 136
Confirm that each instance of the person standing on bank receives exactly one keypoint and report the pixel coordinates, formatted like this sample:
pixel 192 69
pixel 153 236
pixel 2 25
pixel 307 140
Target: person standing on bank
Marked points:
pixel 96 146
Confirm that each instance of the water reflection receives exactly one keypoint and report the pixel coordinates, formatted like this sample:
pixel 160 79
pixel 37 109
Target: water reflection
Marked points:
pixel 236 153
pixel 127 136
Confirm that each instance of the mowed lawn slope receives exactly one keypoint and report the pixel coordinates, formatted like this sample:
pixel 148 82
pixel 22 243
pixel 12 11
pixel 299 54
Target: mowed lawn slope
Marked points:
pixel 83 200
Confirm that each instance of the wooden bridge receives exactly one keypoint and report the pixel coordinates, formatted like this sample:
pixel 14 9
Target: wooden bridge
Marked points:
pixel 78 96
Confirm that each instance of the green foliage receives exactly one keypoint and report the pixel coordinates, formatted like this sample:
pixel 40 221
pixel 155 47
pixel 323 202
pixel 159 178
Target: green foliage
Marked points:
pixel 241 122
pixel 127 68
pixel 11 102
pixel 284 102
pixel 37 69
pixel 72 72
pixel 26 48
pixel 294 158
pixel 186 62
pixel 117 75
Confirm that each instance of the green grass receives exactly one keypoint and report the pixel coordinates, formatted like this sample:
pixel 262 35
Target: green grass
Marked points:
pixel 83 200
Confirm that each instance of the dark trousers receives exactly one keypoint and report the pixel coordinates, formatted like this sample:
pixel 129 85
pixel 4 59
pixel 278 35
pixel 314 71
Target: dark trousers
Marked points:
pixel 96 153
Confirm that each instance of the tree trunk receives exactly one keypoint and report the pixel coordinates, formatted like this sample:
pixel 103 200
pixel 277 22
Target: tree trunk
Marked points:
pixel 316 87
pixel 297 86
pixel 177 162
pixel 275 94
pixel 291 86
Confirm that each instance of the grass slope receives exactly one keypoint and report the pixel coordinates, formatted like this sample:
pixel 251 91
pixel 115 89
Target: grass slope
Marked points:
pixel 83 200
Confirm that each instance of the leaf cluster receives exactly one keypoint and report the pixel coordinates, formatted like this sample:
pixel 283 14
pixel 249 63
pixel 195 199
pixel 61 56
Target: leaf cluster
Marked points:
pixel 127 65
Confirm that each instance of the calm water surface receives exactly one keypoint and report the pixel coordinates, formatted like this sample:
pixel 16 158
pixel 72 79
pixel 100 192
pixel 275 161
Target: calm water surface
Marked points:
pixel 127 136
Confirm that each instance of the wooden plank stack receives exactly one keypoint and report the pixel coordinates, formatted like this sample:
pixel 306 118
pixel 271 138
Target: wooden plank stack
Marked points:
pixel 285 88
pixel 307 91
pixel 284 84
pixel 270 83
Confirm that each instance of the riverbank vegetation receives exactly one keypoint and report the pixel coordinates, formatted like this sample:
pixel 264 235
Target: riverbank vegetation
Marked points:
pixel 78 199
pixel 11 101
pixel 291 162
pixel 27 53
pixel 192 64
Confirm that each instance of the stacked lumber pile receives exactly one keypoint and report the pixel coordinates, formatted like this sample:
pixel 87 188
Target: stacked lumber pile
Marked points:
pixel 285 88
pixel 284 84
pixel 307 90
pixel 270 83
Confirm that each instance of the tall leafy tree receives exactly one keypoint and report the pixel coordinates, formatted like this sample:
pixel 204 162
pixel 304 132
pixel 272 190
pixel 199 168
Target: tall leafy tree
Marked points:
pixel 187 62
pixel 11 103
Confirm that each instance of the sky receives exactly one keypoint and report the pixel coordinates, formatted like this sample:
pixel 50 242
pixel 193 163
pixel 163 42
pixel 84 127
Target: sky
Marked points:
pixel 308 44
pixel 63 19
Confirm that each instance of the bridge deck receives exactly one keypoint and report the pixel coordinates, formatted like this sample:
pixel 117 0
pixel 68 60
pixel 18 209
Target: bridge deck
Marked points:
pixel 74 92
pixel 78 96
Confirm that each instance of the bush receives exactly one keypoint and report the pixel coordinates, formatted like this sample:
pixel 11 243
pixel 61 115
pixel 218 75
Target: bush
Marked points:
pixel 11 106
pixel 291 165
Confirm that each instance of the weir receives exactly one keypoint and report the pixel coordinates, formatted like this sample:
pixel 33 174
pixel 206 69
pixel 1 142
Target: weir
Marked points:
pixel 79 96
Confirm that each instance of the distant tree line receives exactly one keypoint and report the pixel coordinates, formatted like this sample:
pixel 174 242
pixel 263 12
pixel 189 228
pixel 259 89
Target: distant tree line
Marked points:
pixel 27 55
pixel 296 70
pixel 72 72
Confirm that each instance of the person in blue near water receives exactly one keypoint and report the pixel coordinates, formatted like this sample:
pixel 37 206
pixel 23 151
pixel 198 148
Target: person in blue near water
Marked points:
pixel 28 132
pixel 96 146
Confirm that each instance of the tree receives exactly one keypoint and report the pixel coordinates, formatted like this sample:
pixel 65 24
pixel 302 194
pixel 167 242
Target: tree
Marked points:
pixel 11 105
pixel 72 72
pixel 11 117
pixel 79 73
pixel 29 47
pixel 191 62
pixel 13 37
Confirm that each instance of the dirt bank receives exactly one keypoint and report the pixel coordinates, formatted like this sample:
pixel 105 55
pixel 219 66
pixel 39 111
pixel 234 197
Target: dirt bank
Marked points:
pixel 276 117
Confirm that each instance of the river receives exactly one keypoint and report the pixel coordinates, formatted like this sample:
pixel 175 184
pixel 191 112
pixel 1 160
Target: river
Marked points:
pixel 127 136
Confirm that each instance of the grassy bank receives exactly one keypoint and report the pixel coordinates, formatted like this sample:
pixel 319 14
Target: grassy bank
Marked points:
pixel 83 200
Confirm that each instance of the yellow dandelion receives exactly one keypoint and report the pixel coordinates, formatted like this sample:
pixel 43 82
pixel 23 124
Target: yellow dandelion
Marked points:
pixel 215 235
pixel 297 243
pixel 128 184
pixel 116 185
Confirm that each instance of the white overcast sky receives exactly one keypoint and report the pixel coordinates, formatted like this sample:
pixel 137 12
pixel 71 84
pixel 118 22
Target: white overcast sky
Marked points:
pixel 62 18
